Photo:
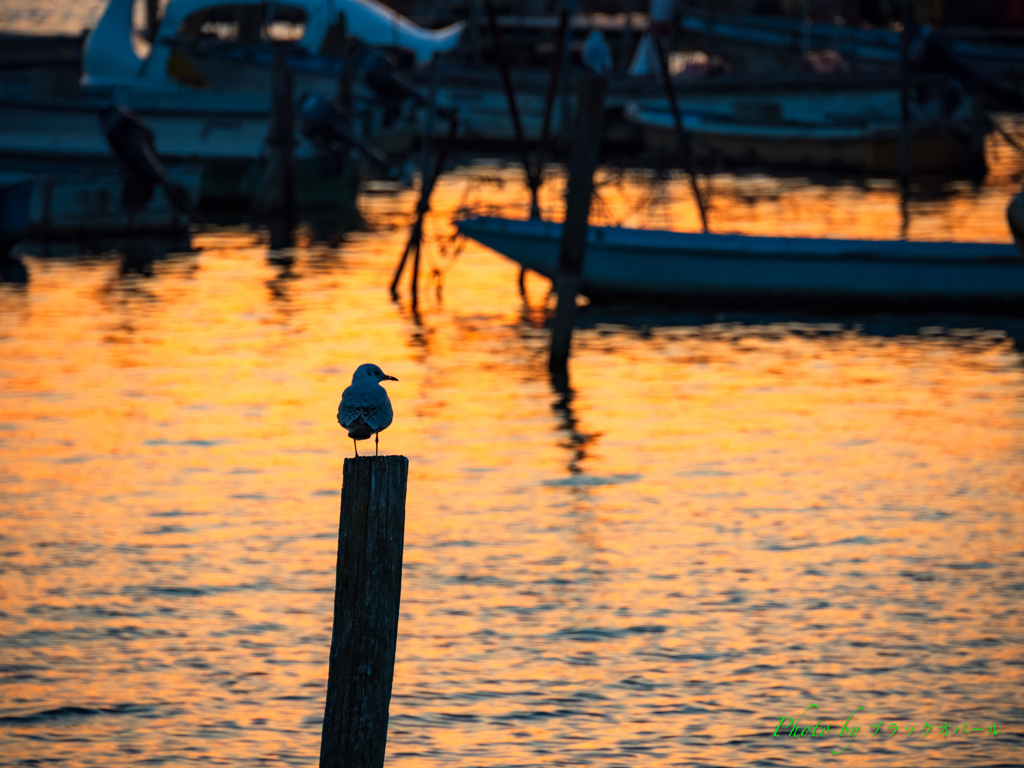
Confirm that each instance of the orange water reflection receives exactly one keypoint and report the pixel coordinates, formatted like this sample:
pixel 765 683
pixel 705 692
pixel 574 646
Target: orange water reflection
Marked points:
pixel 725 521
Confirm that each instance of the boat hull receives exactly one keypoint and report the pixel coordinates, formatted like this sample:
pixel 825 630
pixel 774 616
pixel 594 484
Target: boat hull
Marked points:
pixel 849 130
pixel 636 263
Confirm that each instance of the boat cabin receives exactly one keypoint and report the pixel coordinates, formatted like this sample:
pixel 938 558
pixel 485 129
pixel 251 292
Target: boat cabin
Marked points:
pixel 111 58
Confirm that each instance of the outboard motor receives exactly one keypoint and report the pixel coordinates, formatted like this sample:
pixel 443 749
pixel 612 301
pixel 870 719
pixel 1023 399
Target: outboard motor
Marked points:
pixel 323 123
pixel 132 144
pixel 379 70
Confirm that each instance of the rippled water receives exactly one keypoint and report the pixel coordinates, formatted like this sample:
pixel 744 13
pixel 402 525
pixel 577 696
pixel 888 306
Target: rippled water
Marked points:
pixel 727 519
pixel 730 517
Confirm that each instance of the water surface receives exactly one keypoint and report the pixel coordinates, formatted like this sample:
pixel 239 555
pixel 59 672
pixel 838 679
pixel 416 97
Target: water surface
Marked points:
pixel 726 519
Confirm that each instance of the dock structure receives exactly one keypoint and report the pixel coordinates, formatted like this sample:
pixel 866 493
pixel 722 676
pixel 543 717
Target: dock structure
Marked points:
pixel 368 588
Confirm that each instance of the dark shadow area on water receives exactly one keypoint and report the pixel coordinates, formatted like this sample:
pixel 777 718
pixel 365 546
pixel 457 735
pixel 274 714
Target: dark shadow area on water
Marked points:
pixel 577 441
pixel 136 257
pixel 13 270
pixel 810 321
pixel 138 254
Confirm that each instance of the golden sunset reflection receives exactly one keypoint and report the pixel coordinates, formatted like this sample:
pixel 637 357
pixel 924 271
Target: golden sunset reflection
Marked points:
pixel 728 517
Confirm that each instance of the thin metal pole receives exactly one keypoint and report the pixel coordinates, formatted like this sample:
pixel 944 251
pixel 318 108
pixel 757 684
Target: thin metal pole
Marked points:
pixel 427 187
pixel 428 123
pixel 513 110
pixel 416 272
pixel 566 122
pixel 905 158
pixel 682 135
pixel 549 104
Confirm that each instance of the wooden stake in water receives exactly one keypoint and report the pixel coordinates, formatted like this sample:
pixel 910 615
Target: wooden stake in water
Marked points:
pixel 152 18
pixel 366 599
pixel 276 198
pixel 586 144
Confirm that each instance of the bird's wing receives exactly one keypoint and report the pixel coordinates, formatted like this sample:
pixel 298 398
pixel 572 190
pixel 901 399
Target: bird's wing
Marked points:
pixel 370 405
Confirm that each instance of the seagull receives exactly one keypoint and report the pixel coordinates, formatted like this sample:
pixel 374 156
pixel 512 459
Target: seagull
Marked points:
pixel 365 408
pixel 596 53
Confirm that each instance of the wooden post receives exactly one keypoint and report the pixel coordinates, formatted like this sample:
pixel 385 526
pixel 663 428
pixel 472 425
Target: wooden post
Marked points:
pixel 276 198
pixel 586 143
pixel 152 19
pixel 366 601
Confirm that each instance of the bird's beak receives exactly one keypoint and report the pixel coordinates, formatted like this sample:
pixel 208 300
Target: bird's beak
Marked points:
pixel 389 378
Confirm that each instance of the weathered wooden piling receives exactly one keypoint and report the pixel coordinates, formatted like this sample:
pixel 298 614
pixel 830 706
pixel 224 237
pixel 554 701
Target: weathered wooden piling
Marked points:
pixel 152 18
pixel 276 198
pixel 587 134
pixel 366 599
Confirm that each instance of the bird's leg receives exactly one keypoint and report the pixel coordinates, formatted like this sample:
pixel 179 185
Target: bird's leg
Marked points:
pixel 376 443
pixel 356 446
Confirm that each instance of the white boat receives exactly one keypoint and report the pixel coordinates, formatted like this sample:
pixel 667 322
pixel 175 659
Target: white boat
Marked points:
pixel 110 58
pixel 764 43
pixel 643 263
pixel 214 111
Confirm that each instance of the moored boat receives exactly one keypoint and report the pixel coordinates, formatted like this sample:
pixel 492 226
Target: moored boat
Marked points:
pixel 203 90
pixel 764 43
pixel 852 127
pixel 624 263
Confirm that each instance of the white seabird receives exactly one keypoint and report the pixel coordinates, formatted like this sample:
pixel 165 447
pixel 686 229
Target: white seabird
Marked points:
pixel 365 408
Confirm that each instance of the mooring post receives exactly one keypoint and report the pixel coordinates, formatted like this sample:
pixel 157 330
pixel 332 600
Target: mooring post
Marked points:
pixel 152 19
pixel 276 198
pixel 586 144
pixel 366 599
